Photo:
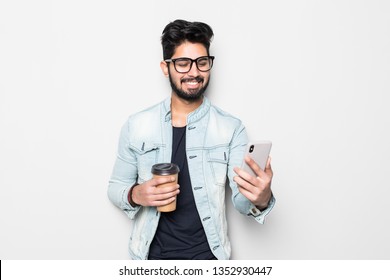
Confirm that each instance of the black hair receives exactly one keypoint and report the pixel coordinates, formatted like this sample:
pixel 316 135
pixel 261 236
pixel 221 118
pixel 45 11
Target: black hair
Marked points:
pixel 178 31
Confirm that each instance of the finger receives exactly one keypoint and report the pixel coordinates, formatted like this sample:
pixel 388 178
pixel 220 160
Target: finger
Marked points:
pixel 268 168
pixel 247 194
pixel 163 202
pixel 166 196
pixel 255 167
pixel 245 175
pixel 244 184
pixel 165 189
pixel 250 183
pixel 162 180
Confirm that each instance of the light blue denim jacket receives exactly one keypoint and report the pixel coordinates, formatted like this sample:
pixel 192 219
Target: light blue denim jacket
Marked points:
pixel 215 144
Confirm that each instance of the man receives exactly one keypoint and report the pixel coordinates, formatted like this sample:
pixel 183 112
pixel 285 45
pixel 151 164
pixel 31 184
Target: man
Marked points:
pixel 206 143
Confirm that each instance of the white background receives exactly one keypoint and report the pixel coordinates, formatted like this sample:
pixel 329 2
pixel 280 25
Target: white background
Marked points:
pixel 312 76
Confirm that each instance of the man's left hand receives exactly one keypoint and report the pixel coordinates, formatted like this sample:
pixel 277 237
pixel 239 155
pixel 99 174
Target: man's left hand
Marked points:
pixel 256 189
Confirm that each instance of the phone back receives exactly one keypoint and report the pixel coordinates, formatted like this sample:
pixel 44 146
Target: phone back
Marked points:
pixel 259 151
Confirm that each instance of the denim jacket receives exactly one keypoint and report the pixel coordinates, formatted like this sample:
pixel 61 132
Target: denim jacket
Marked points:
pixel 215 144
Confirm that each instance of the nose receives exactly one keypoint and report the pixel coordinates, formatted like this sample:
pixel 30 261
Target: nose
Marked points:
pixel 193 70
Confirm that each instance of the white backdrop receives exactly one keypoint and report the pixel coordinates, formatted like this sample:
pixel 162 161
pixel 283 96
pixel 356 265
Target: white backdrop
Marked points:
pixel 312 76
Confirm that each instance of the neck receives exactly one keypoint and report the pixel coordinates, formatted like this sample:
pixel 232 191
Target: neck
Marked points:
pixel 181 108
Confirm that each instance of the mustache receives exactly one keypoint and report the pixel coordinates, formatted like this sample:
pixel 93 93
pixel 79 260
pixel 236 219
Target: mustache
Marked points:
pixel 196 79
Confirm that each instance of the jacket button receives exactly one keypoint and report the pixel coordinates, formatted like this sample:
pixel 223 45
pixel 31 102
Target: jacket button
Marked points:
pixel 255 211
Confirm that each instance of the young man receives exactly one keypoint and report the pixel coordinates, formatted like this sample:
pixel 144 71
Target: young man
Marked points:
pixel 208 146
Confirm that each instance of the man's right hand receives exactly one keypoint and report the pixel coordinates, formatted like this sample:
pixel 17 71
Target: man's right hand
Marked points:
pixel 147 193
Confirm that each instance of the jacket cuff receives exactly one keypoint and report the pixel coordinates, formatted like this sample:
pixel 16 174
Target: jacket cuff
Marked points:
pixel 129 209
pixel 130 197
pixel 258 215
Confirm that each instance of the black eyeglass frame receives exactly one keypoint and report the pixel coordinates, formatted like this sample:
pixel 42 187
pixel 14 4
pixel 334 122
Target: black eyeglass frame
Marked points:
pixel 173 60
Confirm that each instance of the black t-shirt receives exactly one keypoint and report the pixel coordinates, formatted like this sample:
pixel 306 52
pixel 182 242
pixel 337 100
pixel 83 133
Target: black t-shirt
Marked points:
pixel 180 234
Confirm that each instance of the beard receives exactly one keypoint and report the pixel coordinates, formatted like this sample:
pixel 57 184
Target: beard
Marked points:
pixel 192 95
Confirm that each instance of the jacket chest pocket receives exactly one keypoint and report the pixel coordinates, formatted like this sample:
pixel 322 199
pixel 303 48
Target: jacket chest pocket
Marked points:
pixel 218 159
pixel 147 155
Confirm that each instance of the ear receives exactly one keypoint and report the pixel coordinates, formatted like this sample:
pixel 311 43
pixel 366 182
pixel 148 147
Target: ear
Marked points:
pixel 164 68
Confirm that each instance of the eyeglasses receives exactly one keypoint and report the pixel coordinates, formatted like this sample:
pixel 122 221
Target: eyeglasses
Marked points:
pixel 184 64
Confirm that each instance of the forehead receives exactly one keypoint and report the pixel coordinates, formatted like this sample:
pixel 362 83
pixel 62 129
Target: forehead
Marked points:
pixel 191 50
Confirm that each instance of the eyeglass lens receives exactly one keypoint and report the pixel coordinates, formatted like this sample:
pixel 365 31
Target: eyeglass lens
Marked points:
pixel 183 65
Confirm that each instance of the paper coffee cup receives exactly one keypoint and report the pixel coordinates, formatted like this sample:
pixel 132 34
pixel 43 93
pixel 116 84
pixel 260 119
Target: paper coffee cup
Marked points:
pixel 165 170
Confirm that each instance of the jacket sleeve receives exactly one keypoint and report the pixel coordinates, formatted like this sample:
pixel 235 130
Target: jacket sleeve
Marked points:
pixel 124 175
pixel 240 202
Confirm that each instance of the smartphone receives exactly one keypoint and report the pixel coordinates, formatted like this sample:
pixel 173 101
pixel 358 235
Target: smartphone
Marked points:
pixel 259 151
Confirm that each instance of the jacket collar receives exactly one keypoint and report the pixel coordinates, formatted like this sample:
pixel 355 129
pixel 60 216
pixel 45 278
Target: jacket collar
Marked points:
pixel 194 116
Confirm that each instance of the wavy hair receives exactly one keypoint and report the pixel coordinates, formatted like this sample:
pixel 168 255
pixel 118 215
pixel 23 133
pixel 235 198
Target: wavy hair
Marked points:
pixel 179 31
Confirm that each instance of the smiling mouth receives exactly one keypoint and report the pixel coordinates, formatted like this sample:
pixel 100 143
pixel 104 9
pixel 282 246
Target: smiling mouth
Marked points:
pixel 193 81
